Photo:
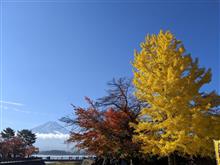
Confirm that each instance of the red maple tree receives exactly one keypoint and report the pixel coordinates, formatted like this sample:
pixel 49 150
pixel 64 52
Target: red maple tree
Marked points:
pixel 103 128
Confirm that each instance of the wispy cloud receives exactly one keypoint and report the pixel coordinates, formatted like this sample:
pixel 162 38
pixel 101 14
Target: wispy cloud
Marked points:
pixel 18 107
pixel 22 111
pixel 11 103
pixel 14 106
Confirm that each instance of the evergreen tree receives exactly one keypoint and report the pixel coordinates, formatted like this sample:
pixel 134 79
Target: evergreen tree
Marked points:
pixel 27 137
pixel 7 133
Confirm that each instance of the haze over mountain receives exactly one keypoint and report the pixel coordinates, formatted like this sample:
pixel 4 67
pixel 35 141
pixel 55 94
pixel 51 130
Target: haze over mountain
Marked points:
pixel 52 136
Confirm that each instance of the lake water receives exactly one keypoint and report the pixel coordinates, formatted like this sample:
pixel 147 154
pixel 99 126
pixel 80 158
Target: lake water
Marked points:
pixel 63 157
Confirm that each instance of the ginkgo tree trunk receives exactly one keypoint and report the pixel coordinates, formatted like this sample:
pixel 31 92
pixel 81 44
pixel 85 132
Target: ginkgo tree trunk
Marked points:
pixel 180 118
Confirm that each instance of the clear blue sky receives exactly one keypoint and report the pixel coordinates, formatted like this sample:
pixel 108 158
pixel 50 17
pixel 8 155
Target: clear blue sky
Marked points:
pixel 55 53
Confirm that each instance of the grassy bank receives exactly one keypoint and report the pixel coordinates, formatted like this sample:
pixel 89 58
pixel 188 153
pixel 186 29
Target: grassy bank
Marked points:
pixel 63 163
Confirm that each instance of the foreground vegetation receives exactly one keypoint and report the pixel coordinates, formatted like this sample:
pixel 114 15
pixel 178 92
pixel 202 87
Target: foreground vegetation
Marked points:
pixel 169 116
pixel 16 146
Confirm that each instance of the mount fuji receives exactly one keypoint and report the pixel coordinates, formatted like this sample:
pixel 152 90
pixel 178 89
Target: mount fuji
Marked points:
pixel 52 136
pixel 50 127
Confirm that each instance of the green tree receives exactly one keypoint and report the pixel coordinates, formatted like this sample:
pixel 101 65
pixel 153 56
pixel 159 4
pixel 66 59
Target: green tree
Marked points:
pixel 27 137
pixel 7 133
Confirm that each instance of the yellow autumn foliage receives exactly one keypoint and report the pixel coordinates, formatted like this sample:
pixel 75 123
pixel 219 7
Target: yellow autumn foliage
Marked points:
pixel 180 117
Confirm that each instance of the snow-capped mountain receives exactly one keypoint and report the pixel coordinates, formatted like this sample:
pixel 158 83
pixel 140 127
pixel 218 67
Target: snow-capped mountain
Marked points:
pixel 52 136
pixel 50 127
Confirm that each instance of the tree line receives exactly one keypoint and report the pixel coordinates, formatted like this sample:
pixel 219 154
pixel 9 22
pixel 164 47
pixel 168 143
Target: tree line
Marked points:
pixel 163 112
pixel 17 145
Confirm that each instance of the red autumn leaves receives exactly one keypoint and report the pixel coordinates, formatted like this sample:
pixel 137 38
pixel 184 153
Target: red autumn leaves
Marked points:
pixel 103 128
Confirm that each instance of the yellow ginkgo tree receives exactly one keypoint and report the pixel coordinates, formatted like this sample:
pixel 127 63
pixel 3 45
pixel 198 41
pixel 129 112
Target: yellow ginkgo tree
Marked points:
pixel 180 118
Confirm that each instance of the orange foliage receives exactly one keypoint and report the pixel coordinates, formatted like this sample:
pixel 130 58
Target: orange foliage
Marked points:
pixel 104 132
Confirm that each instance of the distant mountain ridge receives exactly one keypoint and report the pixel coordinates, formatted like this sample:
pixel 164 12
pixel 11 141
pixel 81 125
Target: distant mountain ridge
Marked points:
pixel 51 127
pixel 61 152
pixel 55 152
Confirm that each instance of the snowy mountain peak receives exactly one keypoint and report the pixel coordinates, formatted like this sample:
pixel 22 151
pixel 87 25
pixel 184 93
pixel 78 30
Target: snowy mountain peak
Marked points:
pixel 51 127
pixel 52 136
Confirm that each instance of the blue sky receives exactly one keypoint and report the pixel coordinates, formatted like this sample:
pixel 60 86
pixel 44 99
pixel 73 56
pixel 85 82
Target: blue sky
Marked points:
pixel 55 53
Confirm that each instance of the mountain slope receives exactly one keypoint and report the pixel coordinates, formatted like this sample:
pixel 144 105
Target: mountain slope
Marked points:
pixel 50 127
pixel 52 136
